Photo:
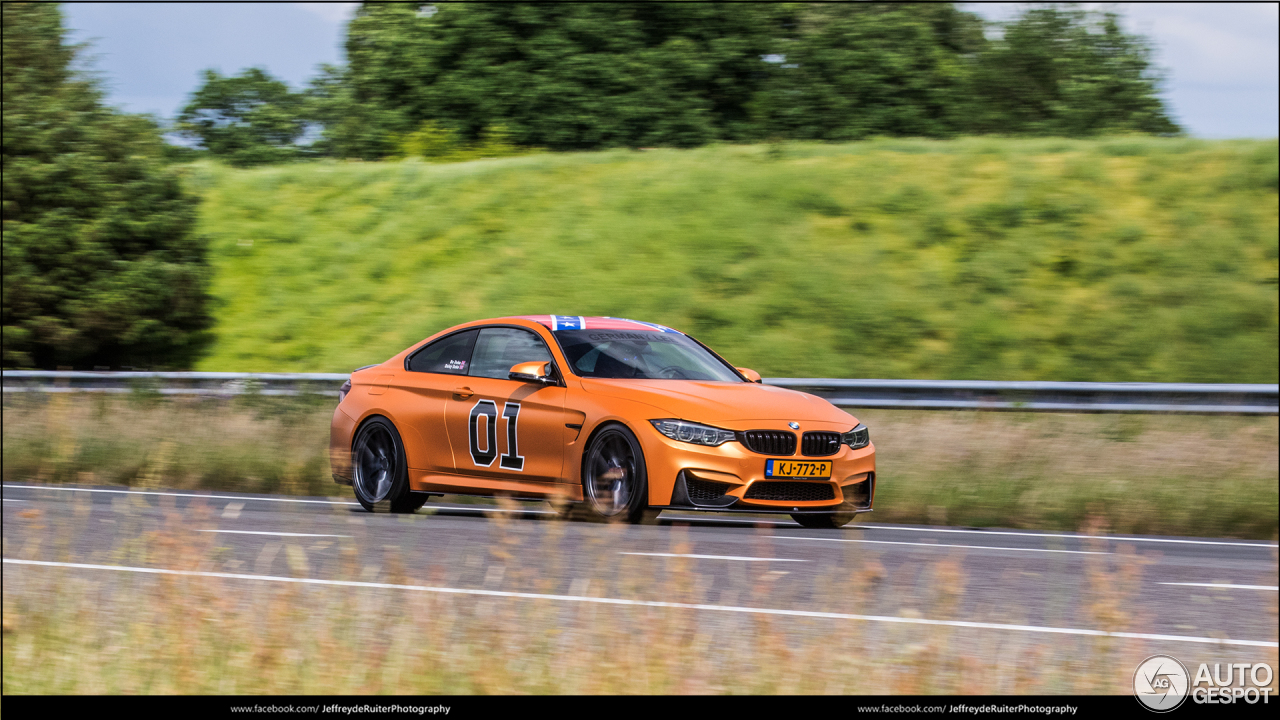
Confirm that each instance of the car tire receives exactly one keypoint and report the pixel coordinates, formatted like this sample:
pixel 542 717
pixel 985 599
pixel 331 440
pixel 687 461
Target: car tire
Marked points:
pixel 615 486
pixel 379 470
pixel 411 502
pixel 825 520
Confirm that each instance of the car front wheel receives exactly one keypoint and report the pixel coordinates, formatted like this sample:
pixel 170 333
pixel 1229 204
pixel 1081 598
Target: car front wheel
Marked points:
pixel 614 481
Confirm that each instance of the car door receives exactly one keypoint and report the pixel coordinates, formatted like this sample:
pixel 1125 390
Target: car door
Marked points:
pixel 431 375
pixel 501 428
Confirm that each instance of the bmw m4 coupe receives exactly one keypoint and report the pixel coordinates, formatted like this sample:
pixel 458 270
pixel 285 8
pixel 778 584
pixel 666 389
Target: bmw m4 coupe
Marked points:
pixel 604 417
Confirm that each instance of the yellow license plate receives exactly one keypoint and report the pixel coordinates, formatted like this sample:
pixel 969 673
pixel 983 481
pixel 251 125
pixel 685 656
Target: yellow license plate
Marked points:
pixel 797 468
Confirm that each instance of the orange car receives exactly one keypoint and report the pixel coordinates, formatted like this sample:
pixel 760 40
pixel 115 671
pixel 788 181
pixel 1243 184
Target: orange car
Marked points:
pixel 613 418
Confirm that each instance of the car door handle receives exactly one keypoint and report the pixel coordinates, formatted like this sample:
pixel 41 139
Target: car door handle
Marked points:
pixel 463 392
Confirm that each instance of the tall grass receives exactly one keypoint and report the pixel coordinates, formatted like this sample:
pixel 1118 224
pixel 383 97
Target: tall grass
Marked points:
pixel 1115 259
pixel 248 444
pixel 109 632
pixel 1175 475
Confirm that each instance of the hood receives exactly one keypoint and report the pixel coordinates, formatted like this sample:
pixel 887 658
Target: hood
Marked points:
pixel 730 405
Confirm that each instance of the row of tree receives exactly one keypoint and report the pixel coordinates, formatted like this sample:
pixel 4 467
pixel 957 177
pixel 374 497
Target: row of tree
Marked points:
pixel 102 267
pixel 587 76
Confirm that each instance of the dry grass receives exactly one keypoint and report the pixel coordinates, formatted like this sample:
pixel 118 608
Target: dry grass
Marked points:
pixel 1148 474
pixel 70 632
pixel 246 444
pixel 1176 475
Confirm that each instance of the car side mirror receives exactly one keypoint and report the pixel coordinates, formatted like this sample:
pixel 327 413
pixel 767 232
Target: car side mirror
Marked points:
pixel 534 372
pixel 749 374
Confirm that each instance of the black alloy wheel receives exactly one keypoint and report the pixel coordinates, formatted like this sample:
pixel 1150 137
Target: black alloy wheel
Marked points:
pixel 380 474
pixel 614 482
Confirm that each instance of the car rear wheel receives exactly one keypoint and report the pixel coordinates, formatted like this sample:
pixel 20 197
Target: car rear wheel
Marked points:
pixel 614 481
pixel 379 471
pixel 823 520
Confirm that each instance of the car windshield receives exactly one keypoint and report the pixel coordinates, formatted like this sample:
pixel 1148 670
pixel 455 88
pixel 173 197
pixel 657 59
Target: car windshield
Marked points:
pixel 640 355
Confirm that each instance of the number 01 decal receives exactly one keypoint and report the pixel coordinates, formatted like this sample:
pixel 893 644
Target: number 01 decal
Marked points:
pixel 512 459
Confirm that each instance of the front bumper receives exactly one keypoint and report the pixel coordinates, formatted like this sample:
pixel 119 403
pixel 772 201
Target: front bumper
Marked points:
pixel 730 477
pixel 855 497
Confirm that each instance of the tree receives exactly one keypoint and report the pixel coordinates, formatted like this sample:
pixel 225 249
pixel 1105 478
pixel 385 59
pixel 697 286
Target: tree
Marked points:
pixel 563 76
pixel 100 263
pixel 352 128
pixel 861 69
pixel 246 119
pixel 584 76
pixel 1065 71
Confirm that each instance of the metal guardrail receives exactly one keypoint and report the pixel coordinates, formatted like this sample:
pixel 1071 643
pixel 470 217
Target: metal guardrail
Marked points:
pixel 1043 396
pixel 221 384
pixel 911 394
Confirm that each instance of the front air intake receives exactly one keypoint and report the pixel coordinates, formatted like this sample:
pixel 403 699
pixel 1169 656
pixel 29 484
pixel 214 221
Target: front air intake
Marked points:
pixel 859 494
pixel 791 491
pixel 705 491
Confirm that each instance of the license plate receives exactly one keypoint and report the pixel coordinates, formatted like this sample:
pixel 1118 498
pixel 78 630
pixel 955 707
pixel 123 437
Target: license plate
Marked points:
pixel 797 469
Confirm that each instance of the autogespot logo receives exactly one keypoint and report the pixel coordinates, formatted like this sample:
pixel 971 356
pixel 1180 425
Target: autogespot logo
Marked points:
pixel 1161 683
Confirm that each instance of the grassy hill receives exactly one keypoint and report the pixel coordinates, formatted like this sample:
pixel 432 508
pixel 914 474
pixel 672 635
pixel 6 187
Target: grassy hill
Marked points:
pixel 1119 259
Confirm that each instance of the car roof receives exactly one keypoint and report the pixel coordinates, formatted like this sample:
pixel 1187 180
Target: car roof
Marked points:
pixel 592 322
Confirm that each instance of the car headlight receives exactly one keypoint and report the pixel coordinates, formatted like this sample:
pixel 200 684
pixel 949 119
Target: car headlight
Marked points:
pixel 693 432
pixel 858 437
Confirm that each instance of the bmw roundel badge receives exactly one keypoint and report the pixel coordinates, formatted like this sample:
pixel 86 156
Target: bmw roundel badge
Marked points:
pixel 794 425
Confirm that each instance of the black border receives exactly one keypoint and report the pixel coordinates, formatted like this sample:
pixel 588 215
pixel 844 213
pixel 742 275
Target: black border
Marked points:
pixel 987 706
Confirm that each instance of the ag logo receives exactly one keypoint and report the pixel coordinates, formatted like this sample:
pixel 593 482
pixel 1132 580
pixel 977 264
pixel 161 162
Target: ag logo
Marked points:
pixel 1161 683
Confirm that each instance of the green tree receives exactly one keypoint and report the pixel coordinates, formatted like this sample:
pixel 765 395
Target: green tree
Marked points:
pixel 563 76
pixel 861 69
pixel 246 119
pixel 1065 71
pixel 100 264
pixel 584 76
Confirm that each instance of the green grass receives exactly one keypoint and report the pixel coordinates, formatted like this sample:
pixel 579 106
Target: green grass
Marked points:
pixel 1120 259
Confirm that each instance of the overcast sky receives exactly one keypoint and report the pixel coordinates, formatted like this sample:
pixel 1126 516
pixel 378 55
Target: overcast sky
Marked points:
pixel 1222 59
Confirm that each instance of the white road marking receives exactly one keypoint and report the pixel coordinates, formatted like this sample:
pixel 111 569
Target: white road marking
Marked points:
pixel 489 508
pixel 175 494
pixel 483 508
pixel 1116 538
pixel 232 510
pixel 655 603
pixel 940 545
pixel 1224 586
pixel 477 508
pixel 263 532
pixel 12 500
pixel 715 557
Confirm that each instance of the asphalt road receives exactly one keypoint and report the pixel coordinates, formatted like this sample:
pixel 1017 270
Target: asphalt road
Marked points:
pixel 1179 594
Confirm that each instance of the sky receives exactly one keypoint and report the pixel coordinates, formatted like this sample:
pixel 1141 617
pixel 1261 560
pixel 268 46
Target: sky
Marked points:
pixel 1222 60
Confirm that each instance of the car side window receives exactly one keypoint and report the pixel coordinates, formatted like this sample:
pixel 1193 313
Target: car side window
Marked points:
pixel 450 355
pixel 497 349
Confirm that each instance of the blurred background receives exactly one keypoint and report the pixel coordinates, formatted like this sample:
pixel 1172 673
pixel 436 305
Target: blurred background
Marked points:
pixel 1011 192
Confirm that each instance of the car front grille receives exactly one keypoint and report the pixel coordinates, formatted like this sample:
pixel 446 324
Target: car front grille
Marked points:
pixel 769 442
pixel 703 490
pixel 817 444
pixel 790 491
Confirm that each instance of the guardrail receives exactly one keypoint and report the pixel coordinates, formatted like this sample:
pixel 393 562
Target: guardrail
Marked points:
pixel 1201 398
pixel 1043 396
